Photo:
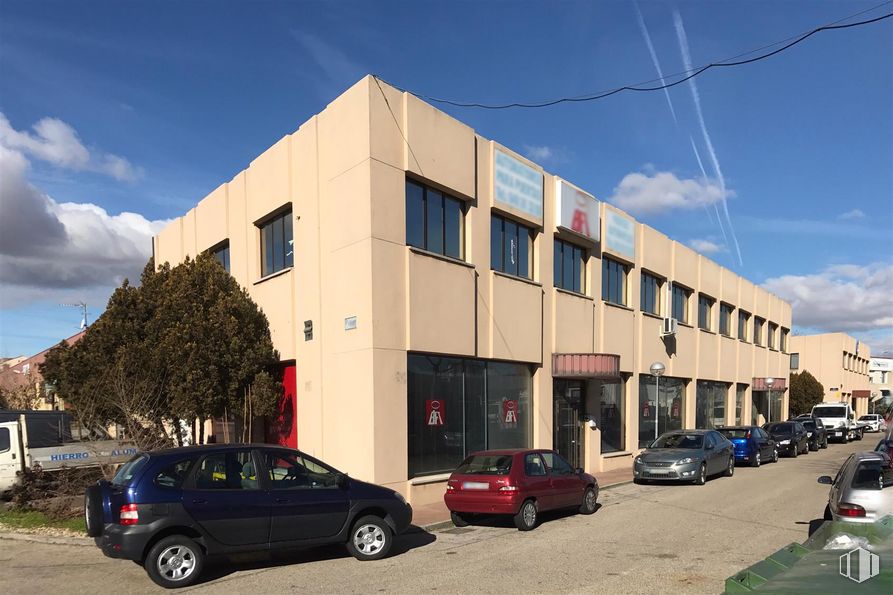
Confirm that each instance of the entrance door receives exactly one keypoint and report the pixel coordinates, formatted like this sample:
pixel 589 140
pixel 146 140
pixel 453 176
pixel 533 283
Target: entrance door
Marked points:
pixel 568 396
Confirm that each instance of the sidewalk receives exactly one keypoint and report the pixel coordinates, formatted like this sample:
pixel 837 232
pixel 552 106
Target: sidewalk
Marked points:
pixel 431 517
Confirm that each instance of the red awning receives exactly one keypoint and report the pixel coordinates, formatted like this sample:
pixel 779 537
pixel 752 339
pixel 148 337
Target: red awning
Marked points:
pixel 586 365
pixel 777 384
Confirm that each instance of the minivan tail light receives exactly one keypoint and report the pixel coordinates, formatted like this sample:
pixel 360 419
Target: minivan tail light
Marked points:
pixel 852 510
pixel 508 489
pixel 129 515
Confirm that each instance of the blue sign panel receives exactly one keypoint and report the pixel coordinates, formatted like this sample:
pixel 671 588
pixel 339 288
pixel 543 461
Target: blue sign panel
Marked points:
pixel 519 186
pixel 620 234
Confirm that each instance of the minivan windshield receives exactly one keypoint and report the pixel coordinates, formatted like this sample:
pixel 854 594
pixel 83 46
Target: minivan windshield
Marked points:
pixel 128 470
pixel 693 441
pixel 486 465
pixel 835 411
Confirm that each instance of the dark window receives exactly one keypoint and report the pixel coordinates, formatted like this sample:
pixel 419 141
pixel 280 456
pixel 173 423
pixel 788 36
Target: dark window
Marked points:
pixel 534 466
pixel 569 268
pixel 296 472
pixel 795 361
pixel 226 471
pixel 557 464
pixel 614 281
pixel 486 465
pixel 5 443
pixel 510 247
pixel 667 407
pixel 743 318
pixel 725 319
pixel 129 469
pixel 740 391
pixel 710 405
pixel 758 330
pixel 221 253
pixel 612 416
pixel 458 406
pixel 680 303
pixel 649 300
pixel 784 340
pixel 770 339
pixel 173 475
pixel 434 220
pixel 276 244
pixel 705 312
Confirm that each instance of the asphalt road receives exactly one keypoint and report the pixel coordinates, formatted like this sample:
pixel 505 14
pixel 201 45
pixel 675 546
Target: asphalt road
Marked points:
pixel 643 539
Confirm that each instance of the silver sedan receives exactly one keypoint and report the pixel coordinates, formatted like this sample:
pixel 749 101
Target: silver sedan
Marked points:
pixel 862 491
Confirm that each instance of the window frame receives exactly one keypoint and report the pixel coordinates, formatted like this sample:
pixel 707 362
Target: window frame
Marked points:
pixel 608 288
pixel 288 246
pixel 726 311
pixel 704 300
pixel 503 222
pixel 192 483
pixel 222 247
pixel 560 247
pixel 647 280
pixel 744 323
pixel 686 293
pixel 446 199
pixel 758 332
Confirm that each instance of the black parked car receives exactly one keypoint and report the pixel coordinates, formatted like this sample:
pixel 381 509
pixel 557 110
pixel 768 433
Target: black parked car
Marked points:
pixel 170 509
pixel 815 431
pixel 790 436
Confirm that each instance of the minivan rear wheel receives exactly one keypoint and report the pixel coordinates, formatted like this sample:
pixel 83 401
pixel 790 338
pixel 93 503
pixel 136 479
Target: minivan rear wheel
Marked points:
pixel 93 510
pixel 370 538
pixel 175 561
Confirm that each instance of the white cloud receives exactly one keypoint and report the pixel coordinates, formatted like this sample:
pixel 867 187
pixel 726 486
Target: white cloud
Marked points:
pixel 842 298
pixel 851 215
pixel 538 153
pixel 644 194
pixel 546 154
pixel 707 246
pixel 52 249
pixel 58 143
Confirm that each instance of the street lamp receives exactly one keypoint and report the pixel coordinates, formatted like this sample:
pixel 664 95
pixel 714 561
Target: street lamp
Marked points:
pixel 769 383
pixel 657 370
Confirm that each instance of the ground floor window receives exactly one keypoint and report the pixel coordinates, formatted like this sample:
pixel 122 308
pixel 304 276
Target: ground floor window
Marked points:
pixel 740 391
pixel 768 408
pixel 665 409
pixel 710 404
pixel 612 419
pixel 457 406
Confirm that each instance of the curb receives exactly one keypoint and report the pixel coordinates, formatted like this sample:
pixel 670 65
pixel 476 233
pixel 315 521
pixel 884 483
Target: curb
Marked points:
pixel 441 525
pixel 48 539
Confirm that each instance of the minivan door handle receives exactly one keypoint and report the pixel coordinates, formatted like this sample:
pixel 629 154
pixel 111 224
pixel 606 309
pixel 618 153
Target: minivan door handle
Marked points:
pixel 199 501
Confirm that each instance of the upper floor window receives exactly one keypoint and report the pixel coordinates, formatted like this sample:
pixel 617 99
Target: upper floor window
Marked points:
pixel 705 311
pixel 614 276
pixel 649 300
pixel 795 361
pixel 221 253
pixel 434 220
pixel 569 266
pixel 743 318
pixel 770 339
pixel 511 247
pixel 725 319
pixel 758 330
pixel 680 303
pixel 784 340
pixel 276 251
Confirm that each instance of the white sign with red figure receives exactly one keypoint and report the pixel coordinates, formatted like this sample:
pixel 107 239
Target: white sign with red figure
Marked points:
pixel 509 411
pixel 576 211
pixel 435 409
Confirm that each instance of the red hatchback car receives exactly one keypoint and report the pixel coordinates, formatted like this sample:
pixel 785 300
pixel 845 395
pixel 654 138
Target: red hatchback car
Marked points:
pixel 518 482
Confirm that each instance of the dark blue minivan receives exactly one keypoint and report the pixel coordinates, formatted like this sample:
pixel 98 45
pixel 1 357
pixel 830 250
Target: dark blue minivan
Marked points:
pixel 753 445
pixel 171 509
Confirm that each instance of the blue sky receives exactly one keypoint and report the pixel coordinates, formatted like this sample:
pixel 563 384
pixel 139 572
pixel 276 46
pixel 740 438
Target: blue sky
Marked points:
pixel 120 115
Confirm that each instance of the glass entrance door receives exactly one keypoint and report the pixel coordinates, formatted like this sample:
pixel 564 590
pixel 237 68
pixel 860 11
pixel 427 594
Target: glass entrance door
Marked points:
pixel 568 396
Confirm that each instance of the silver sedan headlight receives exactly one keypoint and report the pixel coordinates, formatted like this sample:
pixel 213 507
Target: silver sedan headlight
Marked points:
pixel 685 461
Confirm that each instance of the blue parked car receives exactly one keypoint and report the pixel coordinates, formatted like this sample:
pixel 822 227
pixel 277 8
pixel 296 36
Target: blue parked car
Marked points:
pixel 171 509
pixel 753 445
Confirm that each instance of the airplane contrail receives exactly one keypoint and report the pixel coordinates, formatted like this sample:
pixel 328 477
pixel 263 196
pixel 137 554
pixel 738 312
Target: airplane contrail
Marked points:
pixel 694 148
pixel 686 59
pixel 654 59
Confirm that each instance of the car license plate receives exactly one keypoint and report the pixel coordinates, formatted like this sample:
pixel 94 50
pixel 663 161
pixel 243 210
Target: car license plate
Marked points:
pixel 475 485
pixel 659 471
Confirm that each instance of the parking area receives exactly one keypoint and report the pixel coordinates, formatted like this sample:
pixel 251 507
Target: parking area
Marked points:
pixel 643 539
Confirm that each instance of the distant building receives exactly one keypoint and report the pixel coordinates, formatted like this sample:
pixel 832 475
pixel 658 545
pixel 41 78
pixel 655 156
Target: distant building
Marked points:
pixel 25 374
pixel 839 362
pixel 880 372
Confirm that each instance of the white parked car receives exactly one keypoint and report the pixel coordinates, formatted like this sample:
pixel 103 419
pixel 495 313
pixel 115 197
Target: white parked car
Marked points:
pixel 872 422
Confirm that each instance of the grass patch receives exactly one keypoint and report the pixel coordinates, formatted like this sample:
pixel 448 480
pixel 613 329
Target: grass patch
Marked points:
pixel 33 519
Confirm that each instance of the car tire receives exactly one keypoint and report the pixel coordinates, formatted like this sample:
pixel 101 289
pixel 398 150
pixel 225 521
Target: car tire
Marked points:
pixel 730 468
pixel 796 452
pixel 459 519
pixel 701 479
pixel 817 445
pixel 370 538
pixel 590 501
pixel 526 518
pixel 825 442
pixel 175 561
pixel 775 456
pixel 756 460
pixel 859 434
pixel 827 514
pixel 93 510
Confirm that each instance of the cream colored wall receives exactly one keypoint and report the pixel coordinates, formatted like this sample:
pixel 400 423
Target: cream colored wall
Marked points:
pixel 822 355
pixel 344 173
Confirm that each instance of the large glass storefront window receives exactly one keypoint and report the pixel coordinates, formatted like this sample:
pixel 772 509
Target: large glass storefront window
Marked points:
pixel 666 409
pixel 457 406
pixel 710 405
pixel 768 408
pixel 740 391
pixel 611 417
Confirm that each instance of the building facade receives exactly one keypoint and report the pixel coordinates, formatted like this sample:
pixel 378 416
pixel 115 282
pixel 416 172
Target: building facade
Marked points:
pixel 839 362
pixel 880 375
pixel 433 293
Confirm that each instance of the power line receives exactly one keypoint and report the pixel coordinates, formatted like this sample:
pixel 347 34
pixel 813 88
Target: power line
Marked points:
pixel 690 73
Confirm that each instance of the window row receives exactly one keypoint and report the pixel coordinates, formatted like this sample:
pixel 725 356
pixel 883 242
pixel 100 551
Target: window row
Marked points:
pixel 276 245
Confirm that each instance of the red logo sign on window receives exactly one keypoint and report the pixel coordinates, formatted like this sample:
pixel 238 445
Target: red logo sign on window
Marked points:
pixel 580 222
pixel 674 411
pixel 434 412
pixel 646 409
pixel 510 411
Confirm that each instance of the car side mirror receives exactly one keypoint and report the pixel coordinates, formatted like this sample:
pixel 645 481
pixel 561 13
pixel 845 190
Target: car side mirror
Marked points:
pixel 343 481
pixel 826 479
pixel 579 470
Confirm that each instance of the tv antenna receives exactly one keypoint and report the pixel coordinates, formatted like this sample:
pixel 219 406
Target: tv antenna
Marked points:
pixel 83 308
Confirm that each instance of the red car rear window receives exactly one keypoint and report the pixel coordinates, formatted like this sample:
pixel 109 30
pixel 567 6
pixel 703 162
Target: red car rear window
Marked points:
pixel 486 465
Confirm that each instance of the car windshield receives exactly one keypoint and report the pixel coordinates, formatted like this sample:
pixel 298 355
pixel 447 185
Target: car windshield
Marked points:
pixel 829 411
pixel 128 470
pixel 780 428
pixel 866 418
pixel 486 465
pixel 693 441
pixel 735 433
pixel 808 424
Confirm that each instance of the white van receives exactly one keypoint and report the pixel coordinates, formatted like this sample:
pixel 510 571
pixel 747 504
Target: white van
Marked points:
pixel 839 420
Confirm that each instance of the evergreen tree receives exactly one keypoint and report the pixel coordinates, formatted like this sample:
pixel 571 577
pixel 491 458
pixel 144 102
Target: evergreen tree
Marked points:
pixel 806 391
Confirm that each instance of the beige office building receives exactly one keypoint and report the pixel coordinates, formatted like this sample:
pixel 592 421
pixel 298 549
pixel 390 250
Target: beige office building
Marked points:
pixel 432 293
pixel 839 362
